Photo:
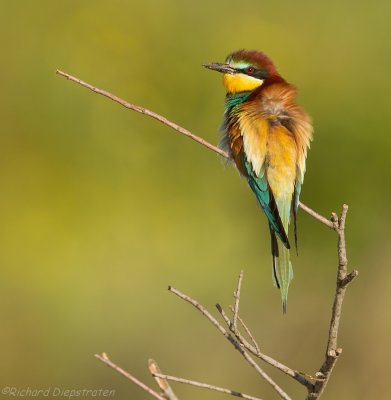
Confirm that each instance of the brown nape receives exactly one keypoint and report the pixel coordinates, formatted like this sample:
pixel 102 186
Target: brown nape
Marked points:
pixel 257 58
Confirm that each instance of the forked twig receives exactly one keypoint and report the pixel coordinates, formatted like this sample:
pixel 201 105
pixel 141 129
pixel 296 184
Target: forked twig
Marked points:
pixel 232 340
pixel 254 347
pixel 248 332
pixel 343 279
pixel 106 360
pixel 161 380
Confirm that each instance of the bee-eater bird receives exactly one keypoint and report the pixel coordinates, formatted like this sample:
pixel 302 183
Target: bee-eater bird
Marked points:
pixel 266 135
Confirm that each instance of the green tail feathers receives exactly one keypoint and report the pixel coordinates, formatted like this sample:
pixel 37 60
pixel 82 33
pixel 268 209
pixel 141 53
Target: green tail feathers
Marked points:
pixel 282 273
pixel 282 266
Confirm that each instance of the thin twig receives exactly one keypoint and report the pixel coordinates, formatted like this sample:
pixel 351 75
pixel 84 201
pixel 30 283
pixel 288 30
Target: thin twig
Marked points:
pixel 317 216
pixel 248 332
pixel 225 318
pixel 161 381
pixel 343 279
pixel 254 348
pixel 237 300
pixel 144 111
pixel 207 386
pixel 106 360
pixel 232 340
pixel 174 126
pixel 296 375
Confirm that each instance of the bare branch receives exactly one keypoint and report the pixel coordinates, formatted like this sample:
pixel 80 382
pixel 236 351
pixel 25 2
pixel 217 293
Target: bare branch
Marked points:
pixel 106 360
pixel 343 279
pixel 248 332
pixel 161 381
pixel 317 216
pixel 144 111
pixel 200 308
pixel 236 304
pixel 176 127
pixel 296 375
pixel 207 386
pixel 231 339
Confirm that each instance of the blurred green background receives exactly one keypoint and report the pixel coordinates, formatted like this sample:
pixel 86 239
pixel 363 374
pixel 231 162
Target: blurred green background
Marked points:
pixel 101 208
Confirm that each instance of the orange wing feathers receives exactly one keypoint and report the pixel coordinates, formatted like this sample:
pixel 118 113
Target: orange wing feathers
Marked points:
pixel 274 133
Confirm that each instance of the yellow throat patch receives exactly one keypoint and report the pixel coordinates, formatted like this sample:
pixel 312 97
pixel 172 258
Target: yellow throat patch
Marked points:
pixel 240 83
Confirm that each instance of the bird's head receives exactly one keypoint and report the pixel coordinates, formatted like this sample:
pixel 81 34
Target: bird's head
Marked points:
pixel 246 70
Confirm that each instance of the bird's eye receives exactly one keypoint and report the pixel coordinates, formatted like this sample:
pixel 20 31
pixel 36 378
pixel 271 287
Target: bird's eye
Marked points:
pixel 250 70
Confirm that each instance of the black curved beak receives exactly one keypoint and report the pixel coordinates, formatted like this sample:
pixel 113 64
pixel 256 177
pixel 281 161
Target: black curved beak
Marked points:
pixel 220 67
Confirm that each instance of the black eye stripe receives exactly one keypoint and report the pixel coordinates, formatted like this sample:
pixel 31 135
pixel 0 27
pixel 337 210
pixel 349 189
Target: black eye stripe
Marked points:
pixel 256 73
